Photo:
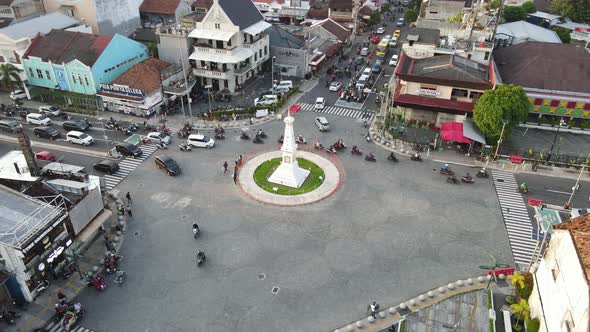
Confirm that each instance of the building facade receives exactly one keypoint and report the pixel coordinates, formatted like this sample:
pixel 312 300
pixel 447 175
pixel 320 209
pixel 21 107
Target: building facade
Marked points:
pixel 12 11
pixel 82 63
pixel 155 12
pixel 561 293
pixel 291 56
pixel 106 17
pixel 229 46
pixel 438 89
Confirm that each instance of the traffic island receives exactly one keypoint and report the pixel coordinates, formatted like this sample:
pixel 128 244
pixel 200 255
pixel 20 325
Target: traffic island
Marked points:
pixel 314 179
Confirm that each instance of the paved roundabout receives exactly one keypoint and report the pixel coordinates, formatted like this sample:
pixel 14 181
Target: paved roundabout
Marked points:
pixel 331 182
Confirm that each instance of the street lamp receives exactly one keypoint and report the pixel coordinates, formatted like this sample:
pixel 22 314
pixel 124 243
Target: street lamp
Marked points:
pixel 208 87
pixel 504 122
pixel 574 189
pixel 272 73
pixel 561 123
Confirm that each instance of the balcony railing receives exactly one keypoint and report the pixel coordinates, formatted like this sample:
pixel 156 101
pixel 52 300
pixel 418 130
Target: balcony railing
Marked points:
pixel 174 30
pixel 243 69
pixel 208 49
pixel 179 87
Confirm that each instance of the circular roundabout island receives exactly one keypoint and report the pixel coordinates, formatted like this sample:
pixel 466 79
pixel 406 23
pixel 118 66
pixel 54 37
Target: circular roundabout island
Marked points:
pixel 265 170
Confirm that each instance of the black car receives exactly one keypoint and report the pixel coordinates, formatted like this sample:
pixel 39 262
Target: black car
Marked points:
pixel 108 166
pixel 76 125
pixel 46 132
pixel 129 150
pixel 168 164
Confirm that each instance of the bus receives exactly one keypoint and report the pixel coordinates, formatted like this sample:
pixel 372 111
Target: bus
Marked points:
pixel 382 48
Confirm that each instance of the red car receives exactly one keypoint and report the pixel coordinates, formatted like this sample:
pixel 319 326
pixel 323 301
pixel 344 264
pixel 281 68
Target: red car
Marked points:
pixel 375 39
pixel 45 155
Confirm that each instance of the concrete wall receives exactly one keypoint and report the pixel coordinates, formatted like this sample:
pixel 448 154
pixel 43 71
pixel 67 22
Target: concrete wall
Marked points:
pixel 293 59
pixel 561 290
pixel 172 47
pixel 117 16
pixel 83 9
pixel 13 262
pixel 86 210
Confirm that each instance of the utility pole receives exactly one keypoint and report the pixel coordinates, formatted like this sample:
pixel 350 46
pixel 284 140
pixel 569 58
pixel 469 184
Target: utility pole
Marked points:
pixel 576 186
pixel 500 139
pixel 561 123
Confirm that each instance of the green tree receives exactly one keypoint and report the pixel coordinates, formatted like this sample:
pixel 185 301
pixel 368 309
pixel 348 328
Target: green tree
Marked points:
pixel 564 34
pixel 385 7
pixel 505 103
pixel 517 280
pixel 458 18
pixel 9 76
pixel 513 13
pixel 374 18
pixel 495 4
pixel 563 8
pixel 521 310
pixel 411 15
pixel 529 7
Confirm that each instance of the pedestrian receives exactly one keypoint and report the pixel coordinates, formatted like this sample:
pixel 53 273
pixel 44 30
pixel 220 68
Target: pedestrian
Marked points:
pixel 128 208
pixel 225 167
pixel 61 297
pixel 240 160
pixel 128 196
pixel 374 308
pixel 235 176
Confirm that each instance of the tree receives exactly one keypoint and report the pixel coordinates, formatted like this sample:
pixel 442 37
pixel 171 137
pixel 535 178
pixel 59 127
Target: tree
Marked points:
pixel 521 310
pixel 385 7
pixel 411 15
pixel 564 34
pixel 505 103
pixel 458 18
pixel 529 7
pixel 562 8
pixel 513 13
pixel 495 4
pixel 517 280
pixel 374 18
pixel 9 75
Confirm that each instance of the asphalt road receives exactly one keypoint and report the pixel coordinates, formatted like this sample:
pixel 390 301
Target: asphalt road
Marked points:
pixel 556 191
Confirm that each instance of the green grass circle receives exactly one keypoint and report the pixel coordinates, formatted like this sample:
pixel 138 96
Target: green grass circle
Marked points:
pixel 315 178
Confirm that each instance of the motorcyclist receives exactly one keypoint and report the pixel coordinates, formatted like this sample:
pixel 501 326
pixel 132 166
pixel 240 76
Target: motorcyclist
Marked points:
pixel 365 124
pixel 370 156
pixel 483 171
pixel 300 138
pixel 355 149
pixel 196 228
pixel 468 176
pixel 416 155
pixel 318 145
pixel 200 256
pixel 445 168
pixel 523 187
pixel 259 133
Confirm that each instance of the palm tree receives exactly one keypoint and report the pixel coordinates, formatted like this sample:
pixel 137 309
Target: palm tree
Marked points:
pixel 522 311
pixel 9 75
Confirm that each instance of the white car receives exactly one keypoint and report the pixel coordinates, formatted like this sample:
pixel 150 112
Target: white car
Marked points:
pixel 393 61
pixel 393 42
pixel 38 119
pixel 50 110
pixel 157 137
pixel 200 141
pixel 18 94
pixel 78 137
pixel 381 30
pixel 335 86
pixel 365 51
pixel 322 124
pixel 320 102
pixel 266 100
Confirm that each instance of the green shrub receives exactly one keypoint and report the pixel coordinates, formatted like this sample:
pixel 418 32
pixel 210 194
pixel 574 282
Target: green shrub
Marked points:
pixel 489 299
pixel 491 325
pixel 402 326
pixel 510 299
pixel 533 325
pixel 527 290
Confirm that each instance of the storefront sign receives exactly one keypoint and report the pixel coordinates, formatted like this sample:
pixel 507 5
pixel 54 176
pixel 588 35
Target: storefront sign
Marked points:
pixel 121 90
pixel 428 92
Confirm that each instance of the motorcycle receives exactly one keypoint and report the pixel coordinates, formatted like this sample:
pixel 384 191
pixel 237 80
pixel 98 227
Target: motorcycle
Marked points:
pixel 65 116
pixel 368 138
pixel 110 264
pixel 219 129
pixel 523 190
pixel 120 278
pixel 318 146
pixel 365 124
pixel 183 133
pixel 392 157
pixel 370 157
pixel 467 179
pixel 281 139
pixel 452 179
pixel 261 133
pixel 301 140
pixel 339 146
pixel 416 157
pixel 97 282
pixel 132 126
pixel 355 151
pixel 483 174
pixel 446 171
pixel 68 271
pixel 257 140
pixel 42 286
pixel 185 147
pixel 219 136
pixel 201 258
pixel 331 150
pixel 244 136
pixel 196 231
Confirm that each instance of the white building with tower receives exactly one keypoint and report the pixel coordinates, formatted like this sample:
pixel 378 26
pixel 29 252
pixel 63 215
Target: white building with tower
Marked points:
pixel 229 46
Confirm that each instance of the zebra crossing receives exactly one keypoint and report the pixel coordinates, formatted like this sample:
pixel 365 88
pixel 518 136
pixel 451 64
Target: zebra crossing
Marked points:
pixel 516 217
pixel 346 112
pixel 128 165
pixel 56 327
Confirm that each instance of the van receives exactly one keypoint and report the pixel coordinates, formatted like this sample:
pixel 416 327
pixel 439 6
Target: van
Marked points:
pixel 360 84
pixel 79 137
pixel 10 126
pixel 366 72
pixel 285 84
pixel 320 103
pixel 266 100
pixel 38 119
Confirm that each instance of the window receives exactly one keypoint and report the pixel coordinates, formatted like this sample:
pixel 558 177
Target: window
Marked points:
pixel 39 73
pixel 245 38
pixel 459 93
pixel 217 26
pixel 265 50
pixel 86 80
pixel 74 79
pixel 486 56
pixel 475 95
pixel 260 54
pixel 229 42
pixel 219 43
pixel 80 79
pixel 47 74
pixel 225 84
pixel 255 57
pixel 31 73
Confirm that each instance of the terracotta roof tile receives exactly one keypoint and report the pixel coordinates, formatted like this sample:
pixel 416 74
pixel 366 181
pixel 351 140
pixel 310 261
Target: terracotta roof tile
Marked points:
pixel 341 4
pixel 203 4
pixel 318 13
pixel 337 30
pixel 159 6
pixel 144 76
pixel 579 229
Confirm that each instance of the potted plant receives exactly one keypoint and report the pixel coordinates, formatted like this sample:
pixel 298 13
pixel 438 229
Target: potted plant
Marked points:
pixel 522 312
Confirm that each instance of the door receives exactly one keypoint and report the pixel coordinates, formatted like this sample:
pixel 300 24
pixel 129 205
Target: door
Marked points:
pixel 14 290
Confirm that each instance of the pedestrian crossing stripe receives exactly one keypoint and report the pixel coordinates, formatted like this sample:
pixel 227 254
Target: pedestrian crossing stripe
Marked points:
pixel 56 327
pixel 516 218
pixel 333 110
pixel 128 165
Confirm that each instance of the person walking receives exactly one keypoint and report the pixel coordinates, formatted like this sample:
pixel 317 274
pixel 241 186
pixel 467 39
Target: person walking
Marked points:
pixel 128 208
pixel 235 176
pixel 374 308
pixel 225 167
pixel 128 196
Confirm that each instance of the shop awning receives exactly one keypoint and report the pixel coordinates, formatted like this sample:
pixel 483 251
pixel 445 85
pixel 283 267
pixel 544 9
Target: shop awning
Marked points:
pixel 211 34
pixel 236 56
pixel 257 28
pixel 453 131
pixel 471 131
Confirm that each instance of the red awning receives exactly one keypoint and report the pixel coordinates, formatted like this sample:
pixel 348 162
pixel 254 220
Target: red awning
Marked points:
pixel 453 131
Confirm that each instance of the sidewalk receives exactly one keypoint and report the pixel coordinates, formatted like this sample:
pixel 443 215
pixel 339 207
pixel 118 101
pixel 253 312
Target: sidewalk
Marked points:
pixel 41 311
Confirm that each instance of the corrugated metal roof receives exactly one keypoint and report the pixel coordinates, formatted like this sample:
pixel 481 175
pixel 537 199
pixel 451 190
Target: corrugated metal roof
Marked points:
pixel 43 24
pixel 471 131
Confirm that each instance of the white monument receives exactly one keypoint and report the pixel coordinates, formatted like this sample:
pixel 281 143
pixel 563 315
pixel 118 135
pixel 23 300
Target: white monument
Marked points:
pixel 289 173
